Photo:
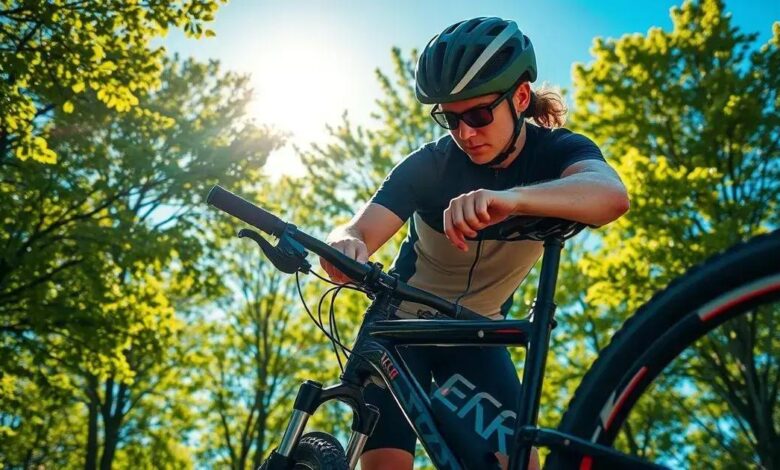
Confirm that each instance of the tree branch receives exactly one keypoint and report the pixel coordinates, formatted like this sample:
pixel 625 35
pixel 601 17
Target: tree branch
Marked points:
pixel 40 280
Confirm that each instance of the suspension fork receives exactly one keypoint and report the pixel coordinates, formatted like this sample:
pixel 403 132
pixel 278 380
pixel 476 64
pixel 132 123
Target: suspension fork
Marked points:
pixel 310 396
pixel 350 391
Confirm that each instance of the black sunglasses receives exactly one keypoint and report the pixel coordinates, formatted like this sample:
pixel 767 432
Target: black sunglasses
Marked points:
pixel 478 116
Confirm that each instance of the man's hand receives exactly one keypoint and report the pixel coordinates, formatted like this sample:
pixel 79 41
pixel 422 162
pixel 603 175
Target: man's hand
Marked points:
pixel 353 247
pixel 369 229
pixel 476 210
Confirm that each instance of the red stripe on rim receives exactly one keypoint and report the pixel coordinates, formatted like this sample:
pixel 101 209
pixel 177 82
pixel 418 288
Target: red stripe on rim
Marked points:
pixel 624 396
pixel 728 305
pixel 586 463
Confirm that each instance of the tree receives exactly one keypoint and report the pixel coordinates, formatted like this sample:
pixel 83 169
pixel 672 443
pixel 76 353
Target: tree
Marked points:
pixel 83 287
pixel 259 344
pixel 253 339
pixel 347 170
pixel 58 54
pixel 690 119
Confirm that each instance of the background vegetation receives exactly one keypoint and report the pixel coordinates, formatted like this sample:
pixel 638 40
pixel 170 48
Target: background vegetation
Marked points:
pixel 135 330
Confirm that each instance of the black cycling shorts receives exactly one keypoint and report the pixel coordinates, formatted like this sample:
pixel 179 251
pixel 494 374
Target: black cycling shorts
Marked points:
pixel 477 384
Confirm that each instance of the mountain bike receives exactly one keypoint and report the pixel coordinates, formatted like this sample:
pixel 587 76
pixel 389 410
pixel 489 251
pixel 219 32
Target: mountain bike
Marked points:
pixel 742 283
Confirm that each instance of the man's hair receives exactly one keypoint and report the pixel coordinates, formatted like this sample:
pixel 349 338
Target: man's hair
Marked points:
pixel 547 108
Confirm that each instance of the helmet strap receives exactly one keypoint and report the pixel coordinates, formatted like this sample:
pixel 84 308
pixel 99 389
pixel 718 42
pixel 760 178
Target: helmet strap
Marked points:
pixel 512 144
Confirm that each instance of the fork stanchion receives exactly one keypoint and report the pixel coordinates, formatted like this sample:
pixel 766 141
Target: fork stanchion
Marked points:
pixel 306 403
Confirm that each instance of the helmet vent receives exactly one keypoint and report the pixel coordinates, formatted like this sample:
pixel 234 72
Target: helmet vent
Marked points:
pixel 459 55
pixel 478 50
pixel 495 30
pixel 473 26
pixel 438 56
pixel 451 28
pixel 496 64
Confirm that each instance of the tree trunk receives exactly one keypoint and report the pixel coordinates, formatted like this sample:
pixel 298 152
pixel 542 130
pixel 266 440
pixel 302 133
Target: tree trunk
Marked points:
pixel 113 412
pixel 92 425
pixel 260 437
pixel 5 154
pixel 109 446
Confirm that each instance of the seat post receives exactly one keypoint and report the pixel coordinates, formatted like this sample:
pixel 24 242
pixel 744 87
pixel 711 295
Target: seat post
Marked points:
pixel 536 355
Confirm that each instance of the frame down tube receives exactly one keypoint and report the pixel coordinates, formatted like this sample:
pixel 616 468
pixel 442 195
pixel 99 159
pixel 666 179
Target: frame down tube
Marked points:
pixel 412 400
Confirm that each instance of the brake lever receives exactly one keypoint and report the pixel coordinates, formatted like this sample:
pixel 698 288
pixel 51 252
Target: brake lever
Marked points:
pixel 288 255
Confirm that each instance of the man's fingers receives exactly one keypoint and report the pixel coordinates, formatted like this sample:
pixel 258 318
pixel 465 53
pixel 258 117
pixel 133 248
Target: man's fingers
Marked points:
pixel 354 249
pixel 482 209
pixel 462 241
pixel 458 222
pixel 338 277
pixel 447 223
pixel 362 253
pixel 357 251
pixel 332 272
pixel 449 232
pixel 350 251
pixel 453 233
pixel 470 217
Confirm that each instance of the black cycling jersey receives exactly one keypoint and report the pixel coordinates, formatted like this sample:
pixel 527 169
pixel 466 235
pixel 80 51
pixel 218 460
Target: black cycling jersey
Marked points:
pixel 421 186
pixel 475 387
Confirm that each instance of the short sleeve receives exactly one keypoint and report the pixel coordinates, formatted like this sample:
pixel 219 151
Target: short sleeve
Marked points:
pixel 571 148
pixel 401 189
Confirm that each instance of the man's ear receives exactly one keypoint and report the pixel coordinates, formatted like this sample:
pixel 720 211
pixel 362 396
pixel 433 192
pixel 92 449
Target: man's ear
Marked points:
pixel 521 98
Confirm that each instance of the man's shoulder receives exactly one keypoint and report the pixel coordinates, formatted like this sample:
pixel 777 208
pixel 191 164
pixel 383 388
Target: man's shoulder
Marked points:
pixel 432 155
pixel 560 136
pixel 442 147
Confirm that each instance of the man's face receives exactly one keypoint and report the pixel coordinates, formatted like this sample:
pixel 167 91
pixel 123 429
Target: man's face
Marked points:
pixel 482 144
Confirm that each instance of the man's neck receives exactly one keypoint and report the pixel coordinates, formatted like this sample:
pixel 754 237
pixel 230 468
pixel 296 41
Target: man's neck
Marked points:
pixel 520 143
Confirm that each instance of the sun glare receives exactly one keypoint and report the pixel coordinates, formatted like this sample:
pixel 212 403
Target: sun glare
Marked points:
pixel 299 88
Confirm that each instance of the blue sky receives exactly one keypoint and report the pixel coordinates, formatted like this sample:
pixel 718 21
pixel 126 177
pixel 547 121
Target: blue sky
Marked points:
pixel 311 60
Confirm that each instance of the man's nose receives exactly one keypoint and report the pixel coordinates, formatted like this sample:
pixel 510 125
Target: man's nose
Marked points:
pixel 465 131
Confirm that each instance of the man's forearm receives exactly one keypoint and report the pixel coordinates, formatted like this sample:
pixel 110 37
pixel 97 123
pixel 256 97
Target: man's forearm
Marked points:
pixel 584 197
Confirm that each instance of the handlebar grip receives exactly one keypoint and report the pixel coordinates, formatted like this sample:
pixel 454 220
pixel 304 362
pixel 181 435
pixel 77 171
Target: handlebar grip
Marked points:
pixel 244 210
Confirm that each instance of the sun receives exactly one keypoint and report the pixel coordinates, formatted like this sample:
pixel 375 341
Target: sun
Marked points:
pixel 299 88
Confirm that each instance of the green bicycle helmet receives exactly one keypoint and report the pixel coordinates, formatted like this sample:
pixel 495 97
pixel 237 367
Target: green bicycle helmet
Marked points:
pixel 472 58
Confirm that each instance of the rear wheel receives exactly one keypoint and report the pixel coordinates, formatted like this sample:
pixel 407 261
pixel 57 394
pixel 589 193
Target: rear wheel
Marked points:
pixel 692 379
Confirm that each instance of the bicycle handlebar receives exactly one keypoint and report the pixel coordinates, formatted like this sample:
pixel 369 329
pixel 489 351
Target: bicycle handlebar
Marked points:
pixel 257 217
pixel 244 210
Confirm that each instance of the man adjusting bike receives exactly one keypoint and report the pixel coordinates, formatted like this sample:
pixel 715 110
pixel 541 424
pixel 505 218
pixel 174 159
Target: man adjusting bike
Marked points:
pixel 505 154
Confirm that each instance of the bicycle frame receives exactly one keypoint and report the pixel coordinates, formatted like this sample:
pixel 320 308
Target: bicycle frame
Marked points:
pixel 374 359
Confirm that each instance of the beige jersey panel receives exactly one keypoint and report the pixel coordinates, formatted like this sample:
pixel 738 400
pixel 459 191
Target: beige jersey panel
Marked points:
pixel 443 270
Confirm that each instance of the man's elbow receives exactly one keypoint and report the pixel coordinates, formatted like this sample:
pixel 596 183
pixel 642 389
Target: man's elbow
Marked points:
pixel 621 203
pixel 617 205
pixel 612 207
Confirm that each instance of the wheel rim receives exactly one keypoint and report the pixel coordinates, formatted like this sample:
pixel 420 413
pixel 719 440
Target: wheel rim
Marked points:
pixel 710 403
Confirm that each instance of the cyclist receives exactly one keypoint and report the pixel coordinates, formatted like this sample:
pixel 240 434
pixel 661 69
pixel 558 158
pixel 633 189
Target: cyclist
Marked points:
pixel 455 192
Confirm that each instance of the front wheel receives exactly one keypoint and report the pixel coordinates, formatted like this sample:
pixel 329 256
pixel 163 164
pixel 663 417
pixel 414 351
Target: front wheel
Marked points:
pixel 315 451
pixel 319 451
pixel 692 380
